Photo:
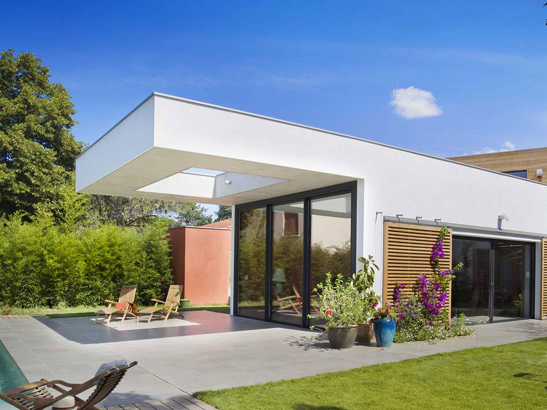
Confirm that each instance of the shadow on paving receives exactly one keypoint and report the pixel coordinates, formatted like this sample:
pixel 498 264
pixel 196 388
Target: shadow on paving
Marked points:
pixel 83 330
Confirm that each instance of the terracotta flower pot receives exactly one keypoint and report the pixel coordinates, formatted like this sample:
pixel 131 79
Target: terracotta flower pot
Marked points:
pixel 342 337
pixel 365 333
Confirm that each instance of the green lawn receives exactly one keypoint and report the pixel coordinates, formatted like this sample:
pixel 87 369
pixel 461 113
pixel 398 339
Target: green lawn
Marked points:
pixel 89 310
pixel 508 376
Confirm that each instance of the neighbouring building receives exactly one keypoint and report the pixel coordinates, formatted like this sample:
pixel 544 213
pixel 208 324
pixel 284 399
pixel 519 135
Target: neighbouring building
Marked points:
pixel 528 163
pixel 200 259
pixel 307 201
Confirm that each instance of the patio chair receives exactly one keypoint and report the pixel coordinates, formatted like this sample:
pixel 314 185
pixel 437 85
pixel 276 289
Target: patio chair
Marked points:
pixel 122 308
pixel 293 302
pixel 164 308
pixel 312 299
pixel 36 396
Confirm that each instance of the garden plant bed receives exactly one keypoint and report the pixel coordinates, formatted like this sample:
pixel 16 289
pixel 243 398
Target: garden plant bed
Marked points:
pixel 506 376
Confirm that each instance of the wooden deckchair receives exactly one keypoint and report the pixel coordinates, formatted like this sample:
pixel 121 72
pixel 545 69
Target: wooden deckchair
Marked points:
pixel 293 302
pixel 312 299
pixel 164 309
pixel 123 307
pixel 35 396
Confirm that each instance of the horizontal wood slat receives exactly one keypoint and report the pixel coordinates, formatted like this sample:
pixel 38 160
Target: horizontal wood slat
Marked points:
pixel 407 252
pixel 544 279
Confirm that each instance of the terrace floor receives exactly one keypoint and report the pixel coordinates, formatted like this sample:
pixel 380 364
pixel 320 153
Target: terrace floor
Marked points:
pixel 208 350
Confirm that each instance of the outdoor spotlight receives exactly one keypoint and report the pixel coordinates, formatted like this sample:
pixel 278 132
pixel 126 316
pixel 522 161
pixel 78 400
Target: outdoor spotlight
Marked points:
pixel 539 172
pixel 399 216
pixel 438 221
pixel 503 217
pixel 418 218
pixel 228 182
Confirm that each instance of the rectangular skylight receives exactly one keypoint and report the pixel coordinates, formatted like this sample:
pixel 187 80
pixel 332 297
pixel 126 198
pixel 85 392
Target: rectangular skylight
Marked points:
pixel 203 171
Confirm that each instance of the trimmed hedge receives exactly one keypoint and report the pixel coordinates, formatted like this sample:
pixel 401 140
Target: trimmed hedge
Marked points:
pixel 46 264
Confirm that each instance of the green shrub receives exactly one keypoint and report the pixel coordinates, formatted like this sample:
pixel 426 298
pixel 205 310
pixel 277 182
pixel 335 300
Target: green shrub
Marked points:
pixel 47 264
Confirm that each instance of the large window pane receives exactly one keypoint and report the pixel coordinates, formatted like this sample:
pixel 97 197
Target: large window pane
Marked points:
pixel 512 264
pixel 287 263
pixel 252 263
pixel 471 287
pixel 330 240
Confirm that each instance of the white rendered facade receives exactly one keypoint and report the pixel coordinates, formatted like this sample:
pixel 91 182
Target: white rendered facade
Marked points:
pixel 146 154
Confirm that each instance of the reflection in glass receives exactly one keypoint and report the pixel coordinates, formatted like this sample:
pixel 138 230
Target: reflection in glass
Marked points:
pixel 287 263
pixel 252 263
pixel 512 279
pixel 330 241
pixel 471 287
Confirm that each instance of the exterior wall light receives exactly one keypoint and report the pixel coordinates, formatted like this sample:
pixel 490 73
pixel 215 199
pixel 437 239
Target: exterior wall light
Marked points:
pixel 438 221
pixel 399 216
pixel 539 172
pixel 501 218
pixel 228 182
pixel 418 218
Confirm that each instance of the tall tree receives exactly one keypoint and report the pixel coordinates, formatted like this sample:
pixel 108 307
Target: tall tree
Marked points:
pixel 223 212
pixel 37 149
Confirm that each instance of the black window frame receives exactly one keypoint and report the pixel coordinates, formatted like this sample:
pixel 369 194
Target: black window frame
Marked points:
pixel 306 197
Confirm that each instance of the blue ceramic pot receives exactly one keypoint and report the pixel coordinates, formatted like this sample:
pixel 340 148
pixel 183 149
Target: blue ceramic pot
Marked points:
pixel 385 332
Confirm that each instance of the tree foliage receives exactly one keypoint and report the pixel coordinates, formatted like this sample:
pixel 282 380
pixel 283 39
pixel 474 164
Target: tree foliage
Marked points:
pixel 223 212
pixel 138 211
pixel 37 149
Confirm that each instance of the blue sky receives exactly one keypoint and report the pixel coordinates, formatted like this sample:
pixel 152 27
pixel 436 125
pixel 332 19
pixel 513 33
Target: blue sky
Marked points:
pixel 477 68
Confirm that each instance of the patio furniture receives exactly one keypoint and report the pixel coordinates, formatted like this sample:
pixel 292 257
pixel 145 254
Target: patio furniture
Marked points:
pixel 164 308
pixel 293 302
pixel 312 299
pixel 36 396
pixel 122 308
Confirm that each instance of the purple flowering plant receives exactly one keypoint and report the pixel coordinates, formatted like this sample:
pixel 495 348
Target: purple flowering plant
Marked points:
pixel 421 316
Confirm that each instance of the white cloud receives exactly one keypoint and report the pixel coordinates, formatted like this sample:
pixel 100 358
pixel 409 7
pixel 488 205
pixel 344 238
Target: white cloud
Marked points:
pixel 412 103
pixel 506 146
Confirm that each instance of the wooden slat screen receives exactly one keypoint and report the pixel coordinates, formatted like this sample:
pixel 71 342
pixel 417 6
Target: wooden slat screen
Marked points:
pixel 544 279
pixel 407 252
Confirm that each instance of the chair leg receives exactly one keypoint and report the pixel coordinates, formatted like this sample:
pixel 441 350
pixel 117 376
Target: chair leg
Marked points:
pixel 150 317
pixel 124 315
pixel 108 320
pixel 167 314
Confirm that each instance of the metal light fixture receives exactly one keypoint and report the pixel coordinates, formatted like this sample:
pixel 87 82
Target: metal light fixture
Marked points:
pixel 418 218
pixel 438 221
pixel 539 172
pixel 501 218
pixel 399 216
pixel 228 182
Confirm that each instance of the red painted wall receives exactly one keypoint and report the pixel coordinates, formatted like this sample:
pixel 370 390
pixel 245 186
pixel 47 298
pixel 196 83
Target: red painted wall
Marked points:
pixel 201 263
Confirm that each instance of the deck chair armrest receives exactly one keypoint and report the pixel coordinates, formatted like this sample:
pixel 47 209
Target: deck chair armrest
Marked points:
pixel 38 403
pixel 109 301
pixel 53 383
pixel 287 298
pixel 158 301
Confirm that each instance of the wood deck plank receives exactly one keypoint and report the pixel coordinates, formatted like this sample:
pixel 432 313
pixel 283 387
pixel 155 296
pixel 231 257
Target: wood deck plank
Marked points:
pixel 158 405
pixel 192 401
pixel 143 406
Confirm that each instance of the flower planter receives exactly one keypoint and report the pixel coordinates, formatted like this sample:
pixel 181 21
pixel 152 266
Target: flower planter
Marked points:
pixel 342 337
pixel 365 333
pixel 384 330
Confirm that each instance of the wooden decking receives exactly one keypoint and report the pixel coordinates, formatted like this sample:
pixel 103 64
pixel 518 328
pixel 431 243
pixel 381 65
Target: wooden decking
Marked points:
pixel 176 403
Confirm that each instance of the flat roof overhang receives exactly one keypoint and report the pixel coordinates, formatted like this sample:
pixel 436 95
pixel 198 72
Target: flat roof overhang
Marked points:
pixel 153 151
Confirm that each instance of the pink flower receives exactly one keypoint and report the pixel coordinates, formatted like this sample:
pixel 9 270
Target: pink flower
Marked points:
pixel 329 312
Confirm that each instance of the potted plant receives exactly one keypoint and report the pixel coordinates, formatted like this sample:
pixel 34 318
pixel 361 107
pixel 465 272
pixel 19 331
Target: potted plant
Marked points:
pixel 363 280
pixel 341 305
pixel 385 325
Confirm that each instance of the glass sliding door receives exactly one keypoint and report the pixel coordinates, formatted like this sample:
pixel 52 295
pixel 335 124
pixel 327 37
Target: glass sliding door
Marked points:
pixel 512 280
pixel 287 263
pixel 496 280
pixel 330 242
pixel 471 287
pixel 252 263
pixel 284 248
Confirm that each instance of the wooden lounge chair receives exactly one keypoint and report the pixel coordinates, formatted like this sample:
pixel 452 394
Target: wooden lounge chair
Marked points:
pixel 122 308
pixel 312 299
pixel 36 396
pixel 293 302
pixel 164 309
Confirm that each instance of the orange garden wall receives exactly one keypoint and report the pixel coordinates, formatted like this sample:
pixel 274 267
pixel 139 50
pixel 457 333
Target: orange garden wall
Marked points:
pixel 201 263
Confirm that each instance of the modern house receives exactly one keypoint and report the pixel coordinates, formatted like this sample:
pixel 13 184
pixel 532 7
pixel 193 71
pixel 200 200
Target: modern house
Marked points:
pixel 528 163
pixel 307 201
